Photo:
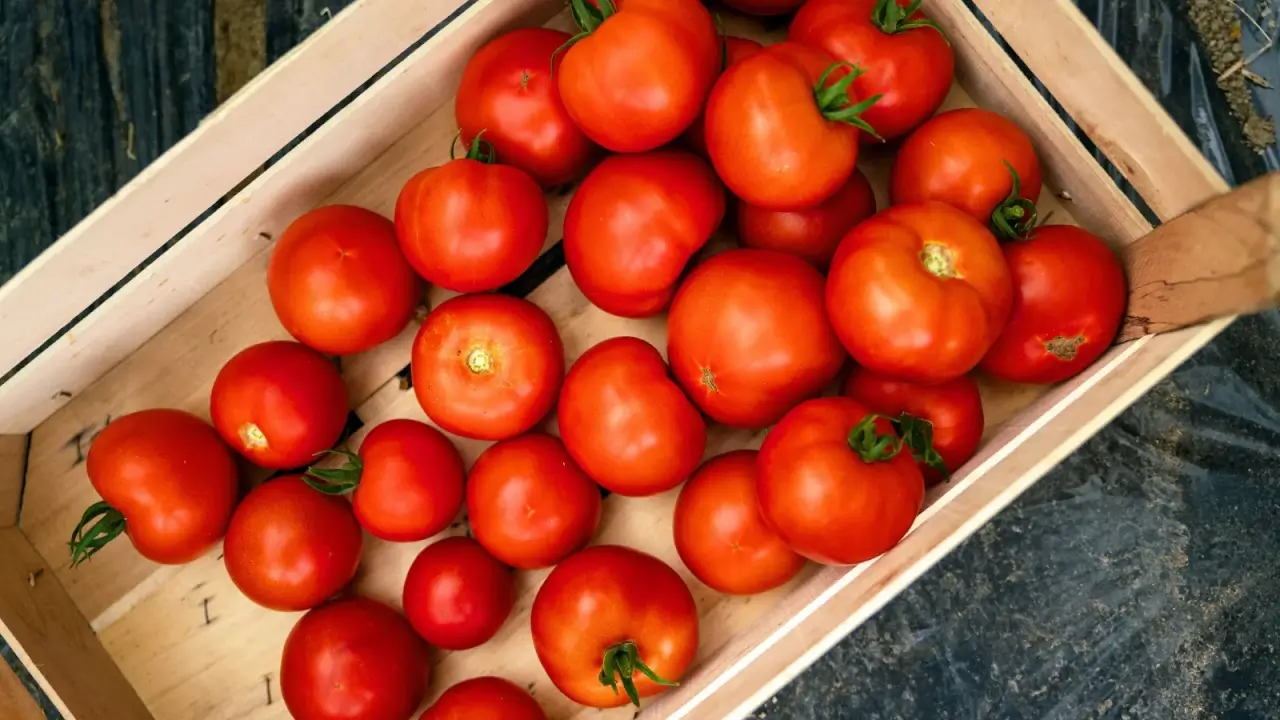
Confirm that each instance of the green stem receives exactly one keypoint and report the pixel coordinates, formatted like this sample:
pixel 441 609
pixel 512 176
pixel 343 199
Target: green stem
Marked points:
pixel 335 481
pixel 892 18
pixel 1015 217
pixel 835 104
pixel 107 524
pixel 910 432
pixel 620 665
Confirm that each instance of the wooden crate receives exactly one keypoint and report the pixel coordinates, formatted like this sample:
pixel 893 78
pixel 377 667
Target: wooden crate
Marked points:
pixel 121 638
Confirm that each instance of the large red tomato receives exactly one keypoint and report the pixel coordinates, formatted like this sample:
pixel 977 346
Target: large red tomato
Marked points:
pixel 456 595
pixel 907 61
pixel 748 337
pixel 279 404
pixel 735 49
pixel 485 698
pixel 607 615
pixel 836 483
pixel 720 534
pixel 814 233
pixel 529 503
pixel 487 366
pixel 1068 301
pixel 919 292
pixel 353 659
pixel 626 422
pixel 509 92
pixel 764 7
pixel 166 480
pixel 291 548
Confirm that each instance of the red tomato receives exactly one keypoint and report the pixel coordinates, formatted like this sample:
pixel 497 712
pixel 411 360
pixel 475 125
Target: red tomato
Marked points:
pixel 485 698
pixel 953 409
pixel 764 7
pixel 735 49
pixel 291 548
pixel 626 422
pixel 827 492
pixel 529 503
pixel 279 404
pixel 456 595
pixel 720 534
pixel 907 60
pixel 1068 301
pixel 620 605
pixel 812 234
pixel 509 92
pixel 487 366
pixel 353 659
pixel 748 337
pixel 166 480
pixel 919 292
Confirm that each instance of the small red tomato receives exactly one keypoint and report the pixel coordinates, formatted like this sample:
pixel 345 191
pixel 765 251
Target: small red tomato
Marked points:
pixel 279 404
pixel 291 548
pixel 485 698
pixel 529 503
pixel 487 366
pixel 811 234
pixel 456 595
pixel 353 659
pixel 735 49
pixel 720 534
pixel 1068 302
pixel 764 7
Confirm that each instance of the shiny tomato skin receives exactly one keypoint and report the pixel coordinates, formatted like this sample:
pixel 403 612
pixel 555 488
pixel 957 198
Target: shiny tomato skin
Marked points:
pixel 634 223
pixel 411 481
pixel 626 422
pixel 509 92
pixel 896 316
pixel 748 336
pixel 353 659
pixel 485 698
pixel 764 7
pixel 172 478
pixel 822 498
pixel 529 503
pixel 604 595
pixel 814 233
pixel 735 49
pixel 911 70
pixel 1069 298
pixel 720 534
pixel 279 403
pixel 487 367
pixel 456 595
pixel 290 547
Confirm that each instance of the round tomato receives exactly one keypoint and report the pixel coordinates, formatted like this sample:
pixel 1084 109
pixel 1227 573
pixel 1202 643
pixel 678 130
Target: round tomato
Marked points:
pixel 509 93
pixel 291 548
pixel 764 7
pixel 471 225
pixel 735 49
pixel 720 534
pixel 748 337
pixel 1068 302
pixel 626 422
pixel 621 606
pixel 487 366
pixel 836 483
pixel 640 74
pixel 353 659
pixel 529 503
pixel 485 698
pixel 907 61
pixel 279 404
pixel 919 292
pixel 456 595
pixel 812 234
pixel 166 480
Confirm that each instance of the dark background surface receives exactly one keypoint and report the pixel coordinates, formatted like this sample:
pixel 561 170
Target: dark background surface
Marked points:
pixel 1141 578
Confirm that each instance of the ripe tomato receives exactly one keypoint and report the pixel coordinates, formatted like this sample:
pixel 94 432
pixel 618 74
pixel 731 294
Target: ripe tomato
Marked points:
pixel 529 503
pixel 641 74
pixel 621 605
pixel 487 366
pixel 814 233
pixel 456 595
pixel 834 486
pixel 748 337
pixel 471 225
pixel 735 49
pixel 279 403
pixel 509 92
pixel 353 659
pixel 1068 301
pixel 908 61
pixel 291 548
pixel 720 534
pixel 919 292
pixel 764 7
pixel 166 480
pixel 626 422
pixel 485 698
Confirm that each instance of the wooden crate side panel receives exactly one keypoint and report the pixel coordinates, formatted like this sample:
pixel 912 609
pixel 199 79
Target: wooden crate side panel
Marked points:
pixel 16 702
pixel 13 470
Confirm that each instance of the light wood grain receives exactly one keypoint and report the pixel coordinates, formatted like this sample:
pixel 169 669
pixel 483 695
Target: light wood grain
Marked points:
pixel 16 702
pixel 13 468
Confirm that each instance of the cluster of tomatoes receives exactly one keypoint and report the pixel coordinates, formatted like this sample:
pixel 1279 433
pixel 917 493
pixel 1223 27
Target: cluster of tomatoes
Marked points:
pixel 919 295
